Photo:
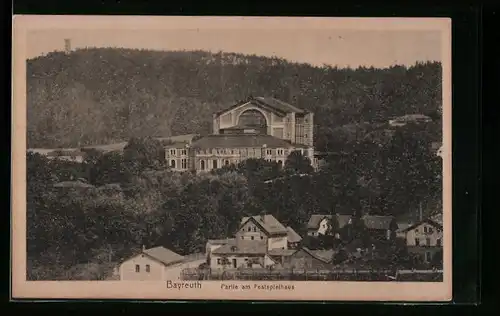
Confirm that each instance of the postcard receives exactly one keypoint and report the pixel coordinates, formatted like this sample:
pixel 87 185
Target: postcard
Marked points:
pixel 231 158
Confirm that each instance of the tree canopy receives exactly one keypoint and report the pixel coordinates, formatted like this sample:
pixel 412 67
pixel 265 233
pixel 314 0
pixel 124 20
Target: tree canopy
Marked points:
pixel 105 95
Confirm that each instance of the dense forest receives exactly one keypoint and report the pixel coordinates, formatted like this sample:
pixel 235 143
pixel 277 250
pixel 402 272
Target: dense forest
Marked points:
pixel 100 96
pixel 132 199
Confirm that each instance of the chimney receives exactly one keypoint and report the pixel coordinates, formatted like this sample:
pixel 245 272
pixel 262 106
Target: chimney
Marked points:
pixel 262 218
pixel 67 45
pixel 143 248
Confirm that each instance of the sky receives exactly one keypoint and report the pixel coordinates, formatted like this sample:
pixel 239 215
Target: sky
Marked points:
pixel 310 41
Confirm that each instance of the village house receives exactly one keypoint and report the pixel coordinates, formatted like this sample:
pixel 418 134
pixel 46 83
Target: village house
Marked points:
pixel 243 254
pixel 424 239
pixel 305 258
pixel 259 127
pixel 150 265
pixel 256 236
pixel 266 228
pixel 320 224
pixel 380 227
pixel 213 244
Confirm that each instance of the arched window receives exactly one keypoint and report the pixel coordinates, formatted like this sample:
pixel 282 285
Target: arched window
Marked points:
pixel 227 162
pixel 252 118
pixel 202 165
pixel 280 163
pixel 172 163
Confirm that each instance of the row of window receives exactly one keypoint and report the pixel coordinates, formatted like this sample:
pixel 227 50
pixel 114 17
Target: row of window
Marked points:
pixel 215 164
pixel 428 242
pixel 184 164
pixel 173 151
pixel 427 230
pixel 138 268
pixel 252 237
pixel 244 151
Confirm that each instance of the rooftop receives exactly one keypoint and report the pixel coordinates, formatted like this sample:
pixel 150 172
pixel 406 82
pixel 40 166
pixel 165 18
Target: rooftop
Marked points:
pixel 242 141
pixel 428 221
pixel 378 222
pixel 292 235
pixel 243 247
pixel 163 255
pixel 268 102
pixel 317 218
pixel 282 252
pixel 268 222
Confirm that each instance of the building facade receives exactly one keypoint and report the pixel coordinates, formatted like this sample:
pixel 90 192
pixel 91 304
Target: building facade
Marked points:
pixel 260 128
pixel 254 242
pixel 150 265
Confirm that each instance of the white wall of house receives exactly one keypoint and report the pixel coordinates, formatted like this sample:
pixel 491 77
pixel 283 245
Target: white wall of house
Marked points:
pixel 424 235
pixel 277 243
pixel 250 231
pixel 136 269
pixel 323 226
pixel 216 261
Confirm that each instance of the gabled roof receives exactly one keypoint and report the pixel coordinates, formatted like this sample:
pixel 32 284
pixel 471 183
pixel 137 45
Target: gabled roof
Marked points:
pixel 321 255
pixel 163 255
pixel 268 103
pixel 242 141
pixel 315 220
pixel 403 226
pixel 343 219
pixel 269 224
pixel 428 221
pixel 378 222
pixel 281 252
pixel 325 255
pixel 243 247
pixel 292 235
pixel 280 105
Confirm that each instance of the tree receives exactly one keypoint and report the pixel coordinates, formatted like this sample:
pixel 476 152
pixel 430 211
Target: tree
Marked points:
pixel 107 168
pixel 142 153
pixel 296 163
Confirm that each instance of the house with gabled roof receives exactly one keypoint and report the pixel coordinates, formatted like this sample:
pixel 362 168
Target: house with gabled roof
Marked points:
pixel 380 227
pixel 149 265
pixel 305 258
pixel 319 224
pixel 255 238
pixel 265 228
pixel 243 254
pixel 424 238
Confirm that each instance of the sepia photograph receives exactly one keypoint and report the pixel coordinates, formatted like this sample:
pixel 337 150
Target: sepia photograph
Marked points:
pixel 231 158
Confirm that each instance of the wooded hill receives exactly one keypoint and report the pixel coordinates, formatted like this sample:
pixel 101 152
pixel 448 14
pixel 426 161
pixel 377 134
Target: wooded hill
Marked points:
pixel 104 95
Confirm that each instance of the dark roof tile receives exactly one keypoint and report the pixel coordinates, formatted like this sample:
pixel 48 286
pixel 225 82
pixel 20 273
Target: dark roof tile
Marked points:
pixel 268 222
pixel 242 247
pixel 163 255
pixel 292 235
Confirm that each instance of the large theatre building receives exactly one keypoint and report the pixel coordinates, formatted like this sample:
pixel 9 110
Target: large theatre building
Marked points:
pixel 256 128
